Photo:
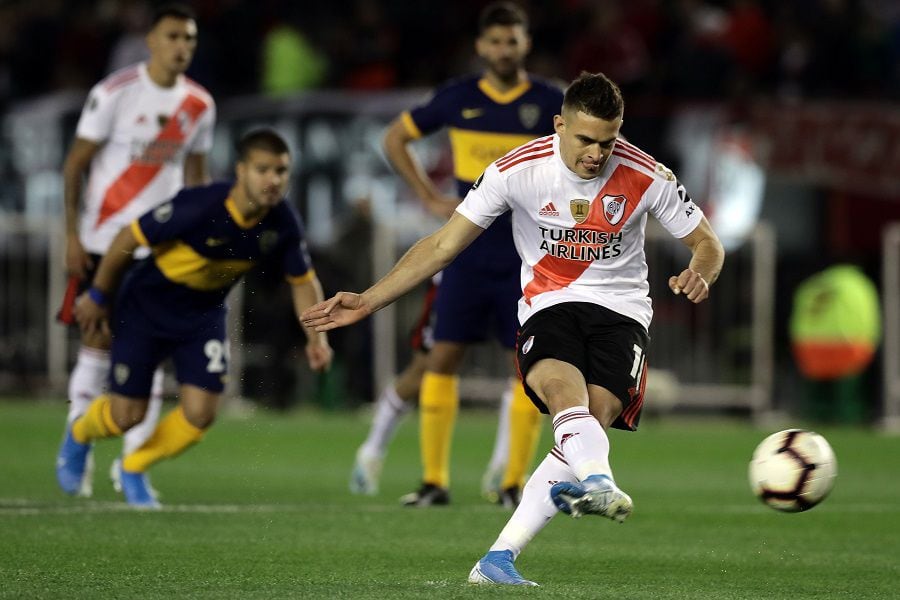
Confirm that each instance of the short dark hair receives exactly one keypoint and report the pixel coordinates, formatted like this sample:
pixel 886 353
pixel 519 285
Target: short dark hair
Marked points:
pixel 265 139
pixel 176 10
pixel 596 95
pixel 501 13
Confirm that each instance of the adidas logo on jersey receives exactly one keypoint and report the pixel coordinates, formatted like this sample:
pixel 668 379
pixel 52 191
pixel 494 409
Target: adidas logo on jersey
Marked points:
pixel 549 211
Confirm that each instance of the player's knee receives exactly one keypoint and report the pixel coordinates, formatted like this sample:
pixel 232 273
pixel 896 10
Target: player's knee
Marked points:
pixel 199 417
pixel 96 339
pixel 127 413
pixel 605 408
pixel 559 394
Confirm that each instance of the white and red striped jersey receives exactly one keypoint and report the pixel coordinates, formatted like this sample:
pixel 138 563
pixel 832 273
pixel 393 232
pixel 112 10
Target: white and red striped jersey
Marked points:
pixel 581 240
pixel 146 132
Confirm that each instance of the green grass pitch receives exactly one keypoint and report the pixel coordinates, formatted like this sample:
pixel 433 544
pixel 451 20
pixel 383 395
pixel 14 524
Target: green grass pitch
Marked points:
pixel 260 509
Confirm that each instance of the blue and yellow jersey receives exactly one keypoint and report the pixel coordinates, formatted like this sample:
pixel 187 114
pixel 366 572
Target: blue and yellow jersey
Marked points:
pixel 484 124
pixel 201 246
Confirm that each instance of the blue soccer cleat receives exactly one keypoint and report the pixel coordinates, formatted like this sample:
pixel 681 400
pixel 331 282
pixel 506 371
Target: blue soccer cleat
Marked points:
pixel 497 568
pixel 74 466
pixel 137 490
pixel 595 495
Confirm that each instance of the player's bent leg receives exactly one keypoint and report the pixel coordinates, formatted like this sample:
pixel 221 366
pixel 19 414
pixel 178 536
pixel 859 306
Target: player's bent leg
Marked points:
pixel 73 458
pixel 183 427
pixel 525 431
pixel 492 479
pixel 438 405
pixel 87 381
pixel 135 437
pixel 392 405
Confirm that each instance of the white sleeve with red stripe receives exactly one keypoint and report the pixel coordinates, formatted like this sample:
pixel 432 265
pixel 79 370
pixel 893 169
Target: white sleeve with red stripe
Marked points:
pixel 98 115
pixel 487 200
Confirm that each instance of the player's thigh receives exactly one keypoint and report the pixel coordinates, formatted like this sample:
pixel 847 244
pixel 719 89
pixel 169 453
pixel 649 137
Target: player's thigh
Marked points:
pixel 134 356
pixel 557 334
pixel 202 359
pixel 559 385
pixel 446 357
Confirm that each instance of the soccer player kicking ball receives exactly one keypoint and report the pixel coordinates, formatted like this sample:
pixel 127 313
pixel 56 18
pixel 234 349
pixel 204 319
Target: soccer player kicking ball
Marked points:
pixel 580 200
pixel 173 305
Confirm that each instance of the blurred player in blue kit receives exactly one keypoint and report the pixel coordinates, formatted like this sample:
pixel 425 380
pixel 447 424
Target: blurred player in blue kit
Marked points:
pixel 173 305
pixel 486 116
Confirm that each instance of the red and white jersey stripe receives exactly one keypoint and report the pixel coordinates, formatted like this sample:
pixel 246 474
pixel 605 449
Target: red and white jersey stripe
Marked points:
pixel 146 132
pixel 581 240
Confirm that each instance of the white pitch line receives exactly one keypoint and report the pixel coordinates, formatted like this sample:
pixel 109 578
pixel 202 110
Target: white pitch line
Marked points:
pixel 26 507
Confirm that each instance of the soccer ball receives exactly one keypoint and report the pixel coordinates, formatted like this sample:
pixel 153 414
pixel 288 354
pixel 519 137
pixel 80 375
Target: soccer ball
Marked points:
pixel 793 470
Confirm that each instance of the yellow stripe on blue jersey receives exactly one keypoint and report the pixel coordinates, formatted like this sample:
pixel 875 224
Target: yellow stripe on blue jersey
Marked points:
pixel 182 264
pixel 485 123
pixel 473 151
pixel 201 246
pixel 301 278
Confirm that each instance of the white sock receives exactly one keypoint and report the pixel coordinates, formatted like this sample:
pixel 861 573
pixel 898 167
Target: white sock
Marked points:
pixel 87 381
pixel 390 409
pixel 135 437
pixel 536 508
pixel 582 441
pixel 501 442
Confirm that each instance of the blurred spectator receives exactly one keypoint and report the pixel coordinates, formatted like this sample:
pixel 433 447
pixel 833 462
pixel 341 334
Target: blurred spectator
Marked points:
pixel 368 50
pixel 290 63
pixel 608 45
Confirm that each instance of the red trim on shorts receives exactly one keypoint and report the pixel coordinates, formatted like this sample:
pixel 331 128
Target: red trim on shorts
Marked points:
pixel 66 313
pixel 637 399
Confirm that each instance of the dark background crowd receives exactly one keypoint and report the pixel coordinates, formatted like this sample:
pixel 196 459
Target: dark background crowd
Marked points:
pixel 818 80
pixel 656 49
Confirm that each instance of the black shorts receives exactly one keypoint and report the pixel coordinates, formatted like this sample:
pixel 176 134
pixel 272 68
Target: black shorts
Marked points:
pixel 608 348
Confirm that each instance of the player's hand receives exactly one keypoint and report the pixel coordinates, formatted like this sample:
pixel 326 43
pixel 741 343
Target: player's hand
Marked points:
pixel 92 318
pixel 691 284
pixel 442 206
pixel 319 355
pixel 344 308
pixel 78 261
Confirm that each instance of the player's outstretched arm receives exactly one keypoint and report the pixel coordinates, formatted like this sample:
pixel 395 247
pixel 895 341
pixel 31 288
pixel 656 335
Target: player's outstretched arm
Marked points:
pixel 707 257
pixel 428 256
pixel 318 351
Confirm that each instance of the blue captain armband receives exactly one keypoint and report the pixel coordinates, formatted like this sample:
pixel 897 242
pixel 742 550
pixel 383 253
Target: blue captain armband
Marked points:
pixel 97 295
